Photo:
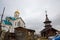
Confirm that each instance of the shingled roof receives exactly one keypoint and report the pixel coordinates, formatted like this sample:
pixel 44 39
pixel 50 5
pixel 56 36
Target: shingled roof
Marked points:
pixel 44 30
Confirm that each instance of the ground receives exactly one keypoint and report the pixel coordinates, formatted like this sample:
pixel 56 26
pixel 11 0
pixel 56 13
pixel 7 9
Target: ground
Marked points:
pixel 41 38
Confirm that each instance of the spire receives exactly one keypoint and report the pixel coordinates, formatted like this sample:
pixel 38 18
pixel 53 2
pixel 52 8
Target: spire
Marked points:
pixel 46 16
pixel 47 21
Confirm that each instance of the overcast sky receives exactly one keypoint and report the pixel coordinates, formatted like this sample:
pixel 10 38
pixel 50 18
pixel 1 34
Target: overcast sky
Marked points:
pixel 33 12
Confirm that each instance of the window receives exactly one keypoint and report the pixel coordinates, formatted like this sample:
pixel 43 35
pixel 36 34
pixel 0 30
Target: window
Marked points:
pixel 18 23
pixel 15 23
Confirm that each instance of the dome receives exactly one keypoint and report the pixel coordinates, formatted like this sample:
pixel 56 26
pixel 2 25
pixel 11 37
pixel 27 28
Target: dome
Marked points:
pixel 17 12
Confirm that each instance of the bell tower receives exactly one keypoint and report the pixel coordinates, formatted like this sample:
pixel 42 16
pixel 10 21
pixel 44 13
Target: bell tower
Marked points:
pixel 16 14
pixel 47 22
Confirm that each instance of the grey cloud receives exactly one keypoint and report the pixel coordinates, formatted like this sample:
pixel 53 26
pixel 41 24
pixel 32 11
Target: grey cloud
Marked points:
pixel 56 22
